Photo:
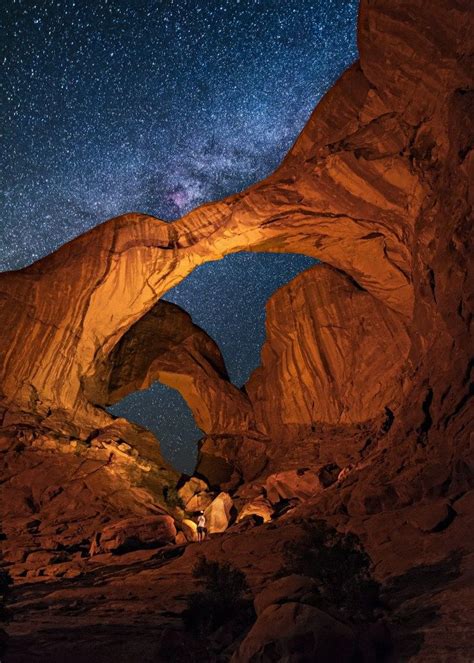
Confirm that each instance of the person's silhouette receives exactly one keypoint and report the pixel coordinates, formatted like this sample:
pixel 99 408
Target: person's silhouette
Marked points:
pixel 201 526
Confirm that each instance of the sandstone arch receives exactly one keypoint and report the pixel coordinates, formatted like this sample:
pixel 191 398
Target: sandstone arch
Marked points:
pixel 166 346
pixel 115 273
pixel 353 191
pixel 402 116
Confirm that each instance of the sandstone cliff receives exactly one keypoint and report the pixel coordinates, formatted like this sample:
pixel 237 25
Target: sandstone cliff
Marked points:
pixel 366 367
pixel 333 354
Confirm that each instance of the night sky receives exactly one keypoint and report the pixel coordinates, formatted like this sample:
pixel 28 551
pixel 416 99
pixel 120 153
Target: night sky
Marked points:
pixel 159 106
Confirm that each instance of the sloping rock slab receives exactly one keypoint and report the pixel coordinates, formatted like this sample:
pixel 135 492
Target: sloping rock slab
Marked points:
pixel 290 589
pixel 296 632
pixel 134 533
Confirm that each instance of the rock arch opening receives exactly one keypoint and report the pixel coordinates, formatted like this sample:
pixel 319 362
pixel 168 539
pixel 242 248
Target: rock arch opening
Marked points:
pixel 226 299
pixel 343 195
pixel 332 354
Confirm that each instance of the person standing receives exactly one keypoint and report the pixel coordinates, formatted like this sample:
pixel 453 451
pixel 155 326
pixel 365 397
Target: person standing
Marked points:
pixel 201 526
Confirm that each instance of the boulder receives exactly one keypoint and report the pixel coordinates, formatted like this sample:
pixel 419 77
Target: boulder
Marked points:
pixel 259 507
pixel 430 517
pixel 181 539
pixel 218 513
pixel 41 558
pixel 296 633
pixel 290 589
pixel 63 570
pixel 199 502
pixel 189 529
pixel 300 484
pixel 134 533
pixel 191 488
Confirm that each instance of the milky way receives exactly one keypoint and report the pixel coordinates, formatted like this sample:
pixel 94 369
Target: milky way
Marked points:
pixel 159 106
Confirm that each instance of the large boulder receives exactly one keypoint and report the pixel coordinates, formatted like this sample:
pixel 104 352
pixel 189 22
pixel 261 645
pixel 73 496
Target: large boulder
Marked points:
pixel 134 533
pixel 199 502
pixel 296 633
pixel 290 589
pixel 218 513
pixel 431 517
pixel 300 484
pixel 259 507
pixel 191 488
pixel 189 529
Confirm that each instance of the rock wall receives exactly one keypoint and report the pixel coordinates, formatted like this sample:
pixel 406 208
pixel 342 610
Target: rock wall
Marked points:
pixel 392 143
pixel 366 369
pixel 333 354
pixel 376 186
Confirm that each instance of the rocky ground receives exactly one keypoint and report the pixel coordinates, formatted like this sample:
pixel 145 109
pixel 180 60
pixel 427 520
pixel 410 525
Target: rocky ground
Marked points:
pixel 94 583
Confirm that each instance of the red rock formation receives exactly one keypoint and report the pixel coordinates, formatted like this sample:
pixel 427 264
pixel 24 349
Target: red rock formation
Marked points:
pixel 165 345
pixel 57 494
pixel 334 354
pixel 283 628
pixel 376 187
pixel 363 189
pixel 135 533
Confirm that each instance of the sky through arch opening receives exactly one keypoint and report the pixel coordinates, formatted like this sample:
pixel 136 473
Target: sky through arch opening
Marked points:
pixel 232 312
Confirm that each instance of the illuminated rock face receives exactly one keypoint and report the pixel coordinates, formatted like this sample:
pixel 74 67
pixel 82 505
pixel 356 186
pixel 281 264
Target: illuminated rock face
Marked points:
pixel 375 187
pixel 166 345
pixel 333 354
pixel 359 410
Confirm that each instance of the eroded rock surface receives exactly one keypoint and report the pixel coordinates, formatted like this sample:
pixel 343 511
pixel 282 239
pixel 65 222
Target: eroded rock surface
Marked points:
pixel 366 368
pixel 290 629
pixel 135 533
pixel 58 496
pixel 218 513
pixel 333 354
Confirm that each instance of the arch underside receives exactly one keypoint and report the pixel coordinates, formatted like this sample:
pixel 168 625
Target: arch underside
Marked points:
pixel 346 194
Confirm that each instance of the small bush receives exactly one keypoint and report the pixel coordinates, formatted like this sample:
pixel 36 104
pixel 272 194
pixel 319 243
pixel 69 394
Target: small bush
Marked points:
pixel 341 568
pixel 221 599
pixel 171 497
pixel 5 584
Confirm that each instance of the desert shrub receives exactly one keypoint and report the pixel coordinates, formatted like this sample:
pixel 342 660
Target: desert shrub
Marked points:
pixel 172 498
pixel 341 568
pixel 222 597
pixel 5 586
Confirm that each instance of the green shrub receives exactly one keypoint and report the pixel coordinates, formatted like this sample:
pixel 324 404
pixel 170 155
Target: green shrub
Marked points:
pixel 221 599
pixel 341 568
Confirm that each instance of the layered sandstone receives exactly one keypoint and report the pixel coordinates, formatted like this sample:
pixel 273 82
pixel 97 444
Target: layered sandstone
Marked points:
pixel 362 190
pixel 58 494
pixel 365 373
pixel 333 354
pixel 165 345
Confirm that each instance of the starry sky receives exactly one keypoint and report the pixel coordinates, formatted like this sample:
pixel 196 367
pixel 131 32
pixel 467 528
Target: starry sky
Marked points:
pixel 158 106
